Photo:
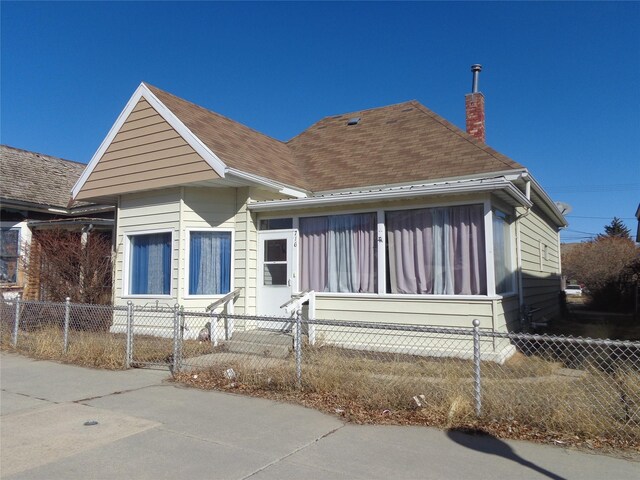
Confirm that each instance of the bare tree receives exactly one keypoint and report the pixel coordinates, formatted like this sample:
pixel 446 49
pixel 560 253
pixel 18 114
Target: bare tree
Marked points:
pixel 607 267
pixel 60 264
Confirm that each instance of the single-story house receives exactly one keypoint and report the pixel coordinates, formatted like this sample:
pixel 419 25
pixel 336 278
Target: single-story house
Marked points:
pixel 390 214
pixel 35 195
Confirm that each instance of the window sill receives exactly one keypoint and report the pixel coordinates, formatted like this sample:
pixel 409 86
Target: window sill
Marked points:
pixel 409 296
pixel 151 296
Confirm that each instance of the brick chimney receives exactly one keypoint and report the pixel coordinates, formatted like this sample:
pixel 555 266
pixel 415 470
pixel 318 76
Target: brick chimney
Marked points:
pixel 474 103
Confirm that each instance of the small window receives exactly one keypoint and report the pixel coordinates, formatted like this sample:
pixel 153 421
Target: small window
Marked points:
pixel 150 264
pixel 9 254
pixel 503 260
pixel 209 263
pixel 276 224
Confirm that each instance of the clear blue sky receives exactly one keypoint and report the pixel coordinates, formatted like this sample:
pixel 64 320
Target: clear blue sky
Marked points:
pixel 561 80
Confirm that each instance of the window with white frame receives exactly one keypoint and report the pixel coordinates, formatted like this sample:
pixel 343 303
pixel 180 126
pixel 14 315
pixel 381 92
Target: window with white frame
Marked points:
pixel 437 251
pixel 339 253
pixel 150 264
pixel 209 262
pixel 502 257
pixel 9 254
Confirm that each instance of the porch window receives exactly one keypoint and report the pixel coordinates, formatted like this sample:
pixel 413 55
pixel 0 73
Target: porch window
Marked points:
pixel 209 262
pixel 276 224
pixel 339 253
pixel 502 258
pixel 436 251
pixel 150 265
pixel 9 254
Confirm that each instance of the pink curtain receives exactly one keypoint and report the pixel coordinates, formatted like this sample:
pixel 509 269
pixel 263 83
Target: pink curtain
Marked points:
pixel 339 253
pixel 313 244
pixel 437 251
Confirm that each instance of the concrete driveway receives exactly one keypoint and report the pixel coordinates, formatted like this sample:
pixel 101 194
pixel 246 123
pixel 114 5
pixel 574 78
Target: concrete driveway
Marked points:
pixel 147 428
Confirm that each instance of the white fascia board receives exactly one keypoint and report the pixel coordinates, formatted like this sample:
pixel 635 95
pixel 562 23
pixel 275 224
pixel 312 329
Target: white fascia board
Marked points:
pixel 393 194
pixel 265 182
pixel 143 92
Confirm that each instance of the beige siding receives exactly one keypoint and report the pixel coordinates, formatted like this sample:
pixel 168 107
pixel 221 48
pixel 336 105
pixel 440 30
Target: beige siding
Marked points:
pixel 412 311
pixel 206 208
pixel 147 211
pixel 540 276
pixel 147 153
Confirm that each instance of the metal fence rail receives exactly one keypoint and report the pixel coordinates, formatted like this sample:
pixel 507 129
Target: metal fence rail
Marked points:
pixel 589 387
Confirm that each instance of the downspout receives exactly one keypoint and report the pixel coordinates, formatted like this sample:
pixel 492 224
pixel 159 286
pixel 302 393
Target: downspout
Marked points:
pixel 114 255
pixel 527 189
pixel 247 217
pixel 181 248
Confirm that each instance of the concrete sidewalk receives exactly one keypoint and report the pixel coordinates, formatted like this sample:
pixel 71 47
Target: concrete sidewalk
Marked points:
pixel 148 428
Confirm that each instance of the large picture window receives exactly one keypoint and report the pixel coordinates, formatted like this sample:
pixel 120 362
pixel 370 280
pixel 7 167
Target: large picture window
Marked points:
pixel 503 263
pixel 437 251
pixel 339 253
pixel 9 254
pixel 209 262
pixel 150 264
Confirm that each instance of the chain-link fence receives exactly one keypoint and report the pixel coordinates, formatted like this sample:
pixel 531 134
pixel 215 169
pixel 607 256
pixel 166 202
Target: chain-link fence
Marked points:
pixel 585 387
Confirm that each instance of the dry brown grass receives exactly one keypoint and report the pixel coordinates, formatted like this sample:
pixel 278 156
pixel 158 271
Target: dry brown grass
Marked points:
pixel 527 397
pixel 96 349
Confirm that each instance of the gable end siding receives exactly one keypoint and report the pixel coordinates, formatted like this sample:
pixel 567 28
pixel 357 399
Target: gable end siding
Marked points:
pixel 147 153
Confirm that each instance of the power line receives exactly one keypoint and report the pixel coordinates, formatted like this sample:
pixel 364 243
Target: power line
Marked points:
pixel 601 218
pixel 620 187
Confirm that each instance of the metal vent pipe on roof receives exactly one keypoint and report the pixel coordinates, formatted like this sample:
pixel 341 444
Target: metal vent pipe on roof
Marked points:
pixel 476 69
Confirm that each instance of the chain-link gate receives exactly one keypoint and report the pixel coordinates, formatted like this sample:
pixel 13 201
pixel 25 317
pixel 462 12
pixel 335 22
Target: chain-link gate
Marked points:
pixel 152 338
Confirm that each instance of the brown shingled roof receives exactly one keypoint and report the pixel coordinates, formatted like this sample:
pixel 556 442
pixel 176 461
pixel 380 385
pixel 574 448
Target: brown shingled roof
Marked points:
pixel 237 145
pixel 36 178
pixel 400 143
pixel 396 144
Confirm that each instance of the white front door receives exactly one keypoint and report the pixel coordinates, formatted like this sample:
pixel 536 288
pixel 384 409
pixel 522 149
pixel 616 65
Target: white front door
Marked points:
pixel 276 276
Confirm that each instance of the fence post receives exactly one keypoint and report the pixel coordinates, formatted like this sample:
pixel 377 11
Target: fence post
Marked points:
pixel 129 352
pixel 298 347
pixel 476 367
pixel 67 314
pixel 176 339
pixel 14 336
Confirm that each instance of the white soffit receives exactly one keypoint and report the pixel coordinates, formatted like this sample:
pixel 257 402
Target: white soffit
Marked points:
pixel 143 92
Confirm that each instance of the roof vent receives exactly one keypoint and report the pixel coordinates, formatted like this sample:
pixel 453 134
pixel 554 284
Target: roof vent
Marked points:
pixel 353 121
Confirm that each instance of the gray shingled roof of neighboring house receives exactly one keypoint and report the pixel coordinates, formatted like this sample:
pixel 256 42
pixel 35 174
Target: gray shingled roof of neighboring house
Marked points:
pixel 36 178
pixel 396 144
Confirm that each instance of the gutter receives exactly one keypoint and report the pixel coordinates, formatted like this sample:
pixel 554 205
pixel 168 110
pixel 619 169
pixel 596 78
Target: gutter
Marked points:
pixel 394 194
pixel 532 184
pixel 285 190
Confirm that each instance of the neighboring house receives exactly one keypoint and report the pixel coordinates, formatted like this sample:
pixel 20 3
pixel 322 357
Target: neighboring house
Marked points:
pixel 34 195
pixel 389 214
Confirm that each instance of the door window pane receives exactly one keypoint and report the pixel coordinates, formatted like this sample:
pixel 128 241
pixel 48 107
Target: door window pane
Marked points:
pixel 275 274
pixel 275 250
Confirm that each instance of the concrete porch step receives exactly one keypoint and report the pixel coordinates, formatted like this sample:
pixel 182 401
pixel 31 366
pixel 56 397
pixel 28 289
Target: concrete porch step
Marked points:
pixel 261 343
